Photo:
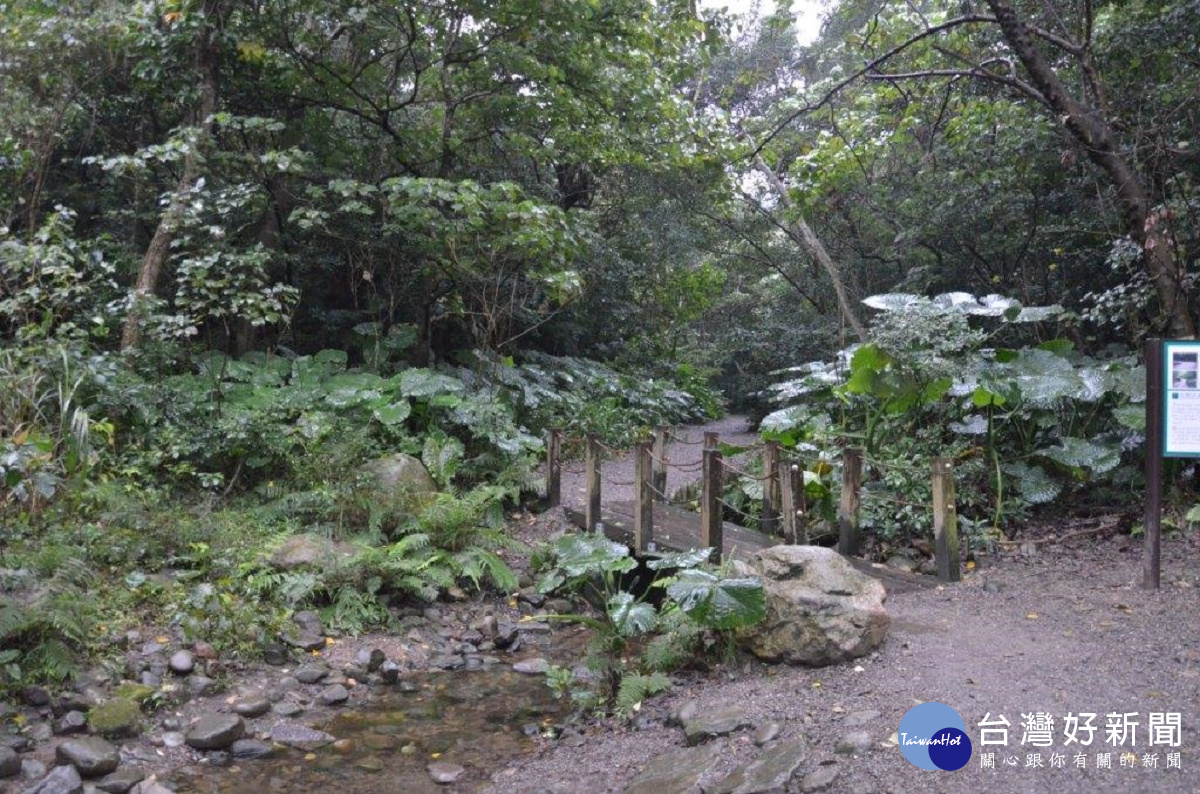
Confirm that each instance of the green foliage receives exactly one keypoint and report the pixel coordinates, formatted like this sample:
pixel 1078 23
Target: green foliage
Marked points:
pixel 698 603
pixel 1025 423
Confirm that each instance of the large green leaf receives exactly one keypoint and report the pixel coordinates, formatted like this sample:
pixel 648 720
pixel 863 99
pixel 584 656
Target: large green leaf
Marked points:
pixel 1079 453
pixel 679 559
pixel 392 413
pixel 424 383
pixel 716 602
pixel 631 616
pixel 585 554
pixel 1033 483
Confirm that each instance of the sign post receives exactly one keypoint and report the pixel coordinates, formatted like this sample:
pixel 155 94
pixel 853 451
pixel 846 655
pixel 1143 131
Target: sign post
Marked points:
pixel 1154 462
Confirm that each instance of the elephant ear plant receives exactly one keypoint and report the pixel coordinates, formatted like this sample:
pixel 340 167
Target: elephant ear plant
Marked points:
pixel 638 636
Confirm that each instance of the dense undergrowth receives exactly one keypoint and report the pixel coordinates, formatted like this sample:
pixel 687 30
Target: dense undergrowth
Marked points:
pixel 131 498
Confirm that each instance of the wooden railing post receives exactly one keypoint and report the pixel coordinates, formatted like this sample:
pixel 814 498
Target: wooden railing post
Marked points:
pixel 852 460
pixel 592 510
pixel 660 464
pixel 643 499
pixel 712 528
pixel 771 488
pixel 791 501
pixel 553 467
pixel 711 439
pixel 945 521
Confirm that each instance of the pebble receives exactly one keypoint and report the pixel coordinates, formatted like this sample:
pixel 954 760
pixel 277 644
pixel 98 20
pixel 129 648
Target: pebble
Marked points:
pixel 275 654
pixel 252 707
pixel 216 731
pixel 288 708
pixel 311 674
pixel 182 662
pixel 370 658
pixel 445 773
pixel 534 666
pixel 767 733
pixel 173 739
pixel 70 723
pixel 820 779
pixel 853 743
pixel 250 748
pixel 334 695
pixel 390 671
pixel 10 762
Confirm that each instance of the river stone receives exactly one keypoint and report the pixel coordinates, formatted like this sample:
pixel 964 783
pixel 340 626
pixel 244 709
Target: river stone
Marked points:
pixel 370 658
pixel 719 722
pixel 445 773
pixel 820 779
pixel 216 731
pixel 10 762
pixel 70 723
pixel 116 718
pixel 535 666
pixel 61 780
pixel 770 772
pixel 390 672
pixel 675 771
pixel 767 733
pixel 33 769
pixel 91 755
pixel 400 475
pixel 252 707
pixel 245 749
pixel 288 708
pixel 819 609
pixel 853 743
pixel 182 662
pixel 138 693
pixel 857 718
pixel 299 736
pixel 334 695
pixel 311 551
pixel 151 787
pixel 311 674
pixel 122 780
pixel 275 654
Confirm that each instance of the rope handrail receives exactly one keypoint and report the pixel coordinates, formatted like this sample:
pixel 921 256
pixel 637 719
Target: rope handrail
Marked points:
pixel 866 494
pixel 666 498
pixel 744 514
pixel 747 475
pixel 678 440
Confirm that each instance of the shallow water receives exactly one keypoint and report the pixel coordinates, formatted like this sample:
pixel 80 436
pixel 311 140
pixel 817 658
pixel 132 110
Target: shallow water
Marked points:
pixel 479 720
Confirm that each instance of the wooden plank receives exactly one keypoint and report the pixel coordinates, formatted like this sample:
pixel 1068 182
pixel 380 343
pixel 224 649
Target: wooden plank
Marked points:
pixel 711 526
pixel 945 521
pixel 848 505
pixel 593 481
pixel 643 512
pixel 788 475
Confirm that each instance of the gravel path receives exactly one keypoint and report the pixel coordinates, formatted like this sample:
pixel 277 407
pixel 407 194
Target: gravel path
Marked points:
pixel 1065 630
pixel 616 473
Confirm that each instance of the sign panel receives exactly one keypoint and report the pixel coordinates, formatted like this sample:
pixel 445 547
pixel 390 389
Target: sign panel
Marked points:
pixel 1181 406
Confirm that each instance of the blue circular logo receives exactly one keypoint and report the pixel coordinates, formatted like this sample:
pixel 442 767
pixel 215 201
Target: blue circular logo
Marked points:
pixel 933 736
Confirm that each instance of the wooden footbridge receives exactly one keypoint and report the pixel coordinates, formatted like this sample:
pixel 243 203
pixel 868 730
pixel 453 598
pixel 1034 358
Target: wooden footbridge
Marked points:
pixel 651 522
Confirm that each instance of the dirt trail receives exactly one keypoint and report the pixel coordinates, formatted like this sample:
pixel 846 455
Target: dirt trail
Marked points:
pixel 1066 630
pixel 685 451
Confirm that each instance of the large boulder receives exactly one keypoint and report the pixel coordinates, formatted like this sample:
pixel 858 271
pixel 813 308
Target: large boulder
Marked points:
pixel 399 475
pixel 310 551
pixel 820 610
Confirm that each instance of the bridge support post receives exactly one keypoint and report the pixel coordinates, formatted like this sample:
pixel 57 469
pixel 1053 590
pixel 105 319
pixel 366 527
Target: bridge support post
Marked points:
pixel 660 464
pixel 848 505
pixel 553 467
pixel 712 528
pixel 792 503
pixel 770 523
pixel 592 511
pixel 643 499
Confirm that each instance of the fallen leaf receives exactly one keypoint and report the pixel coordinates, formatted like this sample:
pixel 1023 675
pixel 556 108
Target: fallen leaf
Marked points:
pixel 816 684
pixel 1125 608
pixel 1032 616
pixel 893 740
pixel 310 756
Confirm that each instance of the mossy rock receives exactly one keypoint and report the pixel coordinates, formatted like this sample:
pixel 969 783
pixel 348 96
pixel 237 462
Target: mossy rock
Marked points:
pixel 116 718
pixel 138 693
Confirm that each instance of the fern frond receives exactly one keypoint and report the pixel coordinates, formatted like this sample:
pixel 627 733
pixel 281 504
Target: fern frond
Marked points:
pixel 636 687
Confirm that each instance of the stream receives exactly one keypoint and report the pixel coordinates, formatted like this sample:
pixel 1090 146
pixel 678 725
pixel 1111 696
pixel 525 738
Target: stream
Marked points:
pixel 479 720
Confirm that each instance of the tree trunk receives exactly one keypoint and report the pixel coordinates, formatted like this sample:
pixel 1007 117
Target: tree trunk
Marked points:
pixel 159 250
pixel 1093 133
pixel 815 247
